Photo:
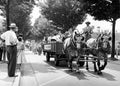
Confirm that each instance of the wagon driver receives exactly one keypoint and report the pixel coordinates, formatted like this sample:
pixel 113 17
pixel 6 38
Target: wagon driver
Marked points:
pixel 88 30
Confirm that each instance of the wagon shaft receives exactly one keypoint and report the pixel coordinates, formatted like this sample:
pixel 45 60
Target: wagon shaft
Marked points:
pixel 95 57
pixel 88 60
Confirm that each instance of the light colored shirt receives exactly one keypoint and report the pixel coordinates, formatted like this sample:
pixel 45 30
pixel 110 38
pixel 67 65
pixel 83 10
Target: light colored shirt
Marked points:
pixel 88 29
pixel 9 37
pixel 57 38
pixel 20 45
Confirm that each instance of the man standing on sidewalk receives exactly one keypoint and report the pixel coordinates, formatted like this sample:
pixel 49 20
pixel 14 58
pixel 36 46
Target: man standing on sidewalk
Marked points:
pixel 11 42
pixel 1 49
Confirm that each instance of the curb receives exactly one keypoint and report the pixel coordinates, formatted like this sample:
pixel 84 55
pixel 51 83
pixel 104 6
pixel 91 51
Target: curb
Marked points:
pixel 17 79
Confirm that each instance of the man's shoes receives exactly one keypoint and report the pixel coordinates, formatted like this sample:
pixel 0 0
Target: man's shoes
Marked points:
pixel 13 76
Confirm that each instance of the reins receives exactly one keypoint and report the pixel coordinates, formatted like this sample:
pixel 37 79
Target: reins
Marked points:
pixel 73 43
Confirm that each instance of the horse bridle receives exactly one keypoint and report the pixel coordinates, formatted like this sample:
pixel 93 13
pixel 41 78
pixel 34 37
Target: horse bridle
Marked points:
pixel 74 43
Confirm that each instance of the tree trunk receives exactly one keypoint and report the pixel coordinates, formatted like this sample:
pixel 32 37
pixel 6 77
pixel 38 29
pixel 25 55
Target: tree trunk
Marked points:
pixel 7 14
pixel 113 39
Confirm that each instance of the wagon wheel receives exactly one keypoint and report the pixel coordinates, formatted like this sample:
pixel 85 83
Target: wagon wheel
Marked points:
pixel 47 57
pixel 44 52
pixel 56 60
pixel 81 63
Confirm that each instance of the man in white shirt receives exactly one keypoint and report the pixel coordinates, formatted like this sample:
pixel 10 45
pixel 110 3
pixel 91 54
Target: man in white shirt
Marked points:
pixel 11 42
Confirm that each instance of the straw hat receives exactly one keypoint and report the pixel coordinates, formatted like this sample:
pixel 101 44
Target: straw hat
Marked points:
pixel 12 25
pixel 20 34
pixel 87 22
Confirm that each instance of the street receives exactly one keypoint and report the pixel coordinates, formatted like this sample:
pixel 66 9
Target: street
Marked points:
pixel 37 72
pixel 59 28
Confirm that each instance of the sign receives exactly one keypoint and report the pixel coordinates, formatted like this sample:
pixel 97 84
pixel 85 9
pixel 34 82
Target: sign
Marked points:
pixel 47 47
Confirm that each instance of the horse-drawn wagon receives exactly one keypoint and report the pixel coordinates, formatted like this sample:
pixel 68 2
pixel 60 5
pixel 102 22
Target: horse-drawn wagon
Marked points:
pixel 78 48
pixel 54 50
pixel 59 50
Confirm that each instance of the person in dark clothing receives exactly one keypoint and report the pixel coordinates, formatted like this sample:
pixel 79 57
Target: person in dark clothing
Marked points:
pixel 1 49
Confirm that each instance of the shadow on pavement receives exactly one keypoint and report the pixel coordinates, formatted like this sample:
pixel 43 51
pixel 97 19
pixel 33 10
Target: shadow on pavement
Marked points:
pixel 62 64
pixel 104 75
pixel 63 67
pixel 81 75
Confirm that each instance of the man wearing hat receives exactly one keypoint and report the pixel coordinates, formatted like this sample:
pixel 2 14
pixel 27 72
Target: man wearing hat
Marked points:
pixel 88 27
pixel 11 41
pixel 88 30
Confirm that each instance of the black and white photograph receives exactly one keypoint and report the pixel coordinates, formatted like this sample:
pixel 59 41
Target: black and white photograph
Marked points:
pixel 59 42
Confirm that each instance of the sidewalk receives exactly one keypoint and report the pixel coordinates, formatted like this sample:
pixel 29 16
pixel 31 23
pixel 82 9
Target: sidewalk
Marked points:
pixel 14 81
pixel 116 61
pixel 8 81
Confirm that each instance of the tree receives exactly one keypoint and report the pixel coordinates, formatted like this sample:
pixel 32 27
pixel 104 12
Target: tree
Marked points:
pixel 108 10
pixel 19 11
pixel 64 13
pixel 2 5
pixel 42 27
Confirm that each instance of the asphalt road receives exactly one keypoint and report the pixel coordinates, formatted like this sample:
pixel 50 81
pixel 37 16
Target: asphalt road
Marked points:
pixel 37 72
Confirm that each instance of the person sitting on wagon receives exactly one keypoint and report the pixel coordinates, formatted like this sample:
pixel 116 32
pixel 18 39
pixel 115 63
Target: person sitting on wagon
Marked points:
pixel 49 38
pixel 68 33
pixel 57 37
pixel 88 30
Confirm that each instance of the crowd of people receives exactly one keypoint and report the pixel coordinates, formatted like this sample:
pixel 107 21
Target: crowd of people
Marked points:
pixel 11 49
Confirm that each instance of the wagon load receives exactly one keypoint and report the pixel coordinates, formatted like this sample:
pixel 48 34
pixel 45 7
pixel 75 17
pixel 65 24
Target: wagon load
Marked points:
pixel 54 49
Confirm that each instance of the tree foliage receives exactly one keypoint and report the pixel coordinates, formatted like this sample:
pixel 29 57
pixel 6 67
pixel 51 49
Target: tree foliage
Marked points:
pixel 108 10
pixel 64 13
pixel 42 27
pixel 19 11
pixel 103 9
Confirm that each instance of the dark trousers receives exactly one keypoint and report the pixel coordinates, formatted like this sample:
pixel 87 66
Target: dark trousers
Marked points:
pixel 4 54
pixel 12 58
pixel 1 51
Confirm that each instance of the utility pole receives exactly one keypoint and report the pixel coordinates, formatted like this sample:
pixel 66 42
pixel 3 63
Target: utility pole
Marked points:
pixel 7 14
